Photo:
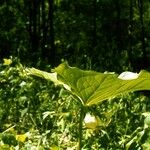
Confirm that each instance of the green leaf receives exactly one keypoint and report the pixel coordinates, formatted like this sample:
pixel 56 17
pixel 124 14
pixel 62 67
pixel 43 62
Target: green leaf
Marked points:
pixel 42 74
pixel 54 147
pixel 93 87
pixel 82 83
pixel 48 76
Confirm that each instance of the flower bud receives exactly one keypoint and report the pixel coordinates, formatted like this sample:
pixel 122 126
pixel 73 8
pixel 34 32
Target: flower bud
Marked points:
pixel 90 121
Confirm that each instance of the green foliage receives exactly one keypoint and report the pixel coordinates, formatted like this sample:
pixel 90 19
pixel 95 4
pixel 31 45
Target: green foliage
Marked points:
pixel 41 116
pixel 94 29
pixel 33 112
pixel 91 87
pixel 108 35
pixel 36 114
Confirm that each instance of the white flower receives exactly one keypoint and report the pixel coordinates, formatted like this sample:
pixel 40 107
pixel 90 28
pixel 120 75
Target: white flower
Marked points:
pixel 128 75
pixel 90 121
pixel 23 83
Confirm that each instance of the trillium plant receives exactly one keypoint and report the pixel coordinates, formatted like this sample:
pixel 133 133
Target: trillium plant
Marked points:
pixel 90 87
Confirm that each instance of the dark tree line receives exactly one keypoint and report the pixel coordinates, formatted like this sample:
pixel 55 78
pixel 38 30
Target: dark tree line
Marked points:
pixel 103 35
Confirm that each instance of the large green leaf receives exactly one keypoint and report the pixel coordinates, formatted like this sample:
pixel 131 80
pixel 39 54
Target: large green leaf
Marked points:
pixel 48 76
pixel 93 87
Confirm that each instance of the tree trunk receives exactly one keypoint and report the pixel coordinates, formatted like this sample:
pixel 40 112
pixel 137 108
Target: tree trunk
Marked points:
pixel 130 32
pixel 140 5
pixel 94 24
pixel 44 32
pixel 52 54
pixel 34 35
pixel 118 27
pixel 32 29
pixel 93 34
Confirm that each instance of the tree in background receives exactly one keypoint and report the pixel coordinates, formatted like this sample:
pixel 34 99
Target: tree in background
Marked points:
pixel 107 34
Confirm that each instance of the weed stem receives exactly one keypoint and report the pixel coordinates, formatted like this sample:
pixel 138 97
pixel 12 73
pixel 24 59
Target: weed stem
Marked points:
pixel 80 127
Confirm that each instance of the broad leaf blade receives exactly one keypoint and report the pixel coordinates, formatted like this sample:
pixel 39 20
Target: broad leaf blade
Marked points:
pixel 48 76
pixel 93 87
pixel 43 74
pixel 118 86
pixel 82 83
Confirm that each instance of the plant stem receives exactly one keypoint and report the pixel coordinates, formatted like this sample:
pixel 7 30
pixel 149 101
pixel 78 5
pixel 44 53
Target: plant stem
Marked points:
pixel 80 127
